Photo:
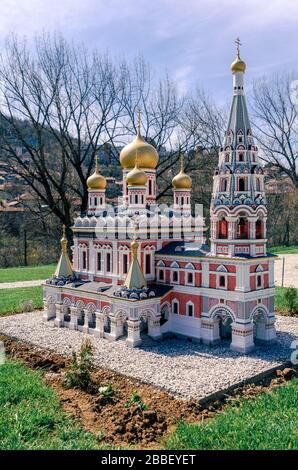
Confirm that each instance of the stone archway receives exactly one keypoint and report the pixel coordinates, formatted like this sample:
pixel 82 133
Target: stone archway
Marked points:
pixel 165 313
pixel 223 317
pixel 225 328
pixel 218 326
pixel 263 327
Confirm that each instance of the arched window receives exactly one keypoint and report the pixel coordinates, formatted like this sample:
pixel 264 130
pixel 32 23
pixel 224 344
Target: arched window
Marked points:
pixel 190 309
pixel 99 261
pixel 222 281
pixel 241 157
pixel 175 276
pixel 95 201
pixel 241 184
pixel 175 306
pixel 125 264
pixel 223 185
pixel 223 229
pixel 148 263
pixel 84 260
pixel 242 228
pixel 150 186
pixel 259 229
pixel 190 278
pixel 108 262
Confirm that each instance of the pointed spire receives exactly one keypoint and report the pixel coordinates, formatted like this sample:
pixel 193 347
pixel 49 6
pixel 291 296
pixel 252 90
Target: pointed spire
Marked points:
pixel 135 278
pixel 64 267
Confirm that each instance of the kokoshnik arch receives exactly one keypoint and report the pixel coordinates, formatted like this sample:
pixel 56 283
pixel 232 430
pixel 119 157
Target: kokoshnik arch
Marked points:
pixel 166 282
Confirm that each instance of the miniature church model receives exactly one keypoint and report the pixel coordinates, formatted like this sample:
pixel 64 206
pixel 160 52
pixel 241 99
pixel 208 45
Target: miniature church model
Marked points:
pixel 135 273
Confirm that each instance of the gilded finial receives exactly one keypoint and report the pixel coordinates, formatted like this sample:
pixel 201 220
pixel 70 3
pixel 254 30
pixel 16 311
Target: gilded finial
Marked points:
pixel 238 65
pixel 96 164
pixel 134 244
pixel 238 44
pixel 139 121
pixel 64 239
pixel 182 163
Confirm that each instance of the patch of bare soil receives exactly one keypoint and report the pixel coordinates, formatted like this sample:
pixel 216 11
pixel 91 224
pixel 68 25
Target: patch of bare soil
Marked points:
pixel 113 419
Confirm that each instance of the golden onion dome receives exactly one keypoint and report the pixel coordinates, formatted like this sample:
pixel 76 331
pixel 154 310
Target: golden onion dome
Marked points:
pixel 136 177
pixel 96 180
pixel 182 180
pixel 147 154
pixel 238 65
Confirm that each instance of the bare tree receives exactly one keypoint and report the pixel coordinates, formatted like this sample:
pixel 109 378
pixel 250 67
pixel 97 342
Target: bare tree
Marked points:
pixel 59 104
pixel 275 119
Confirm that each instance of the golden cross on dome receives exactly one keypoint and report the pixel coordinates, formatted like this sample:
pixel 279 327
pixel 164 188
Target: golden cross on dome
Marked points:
pixel 181 162
pixel 96 164
pixel 238 44
pixel 139 121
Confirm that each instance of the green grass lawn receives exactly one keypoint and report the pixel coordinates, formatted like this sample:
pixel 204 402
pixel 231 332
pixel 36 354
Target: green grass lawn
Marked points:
pixel 284 304
pixel 26 273
pixel 31 417
pixel 11 300
pixel 283 249
pixel 270 421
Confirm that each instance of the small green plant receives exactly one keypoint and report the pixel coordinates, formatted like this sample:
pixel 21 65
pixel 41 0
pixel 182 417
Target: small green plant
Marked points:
pixel 291 300
pixel 79 372
pixel 107 391
pixel 136 399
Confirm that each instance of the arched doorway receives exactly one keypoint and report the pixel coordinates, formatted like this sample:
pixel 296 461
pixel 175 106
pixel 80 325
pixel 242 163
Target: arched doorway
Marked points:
pixel 225 328
pixel 165 314
pixel 259 326
pixel 222 319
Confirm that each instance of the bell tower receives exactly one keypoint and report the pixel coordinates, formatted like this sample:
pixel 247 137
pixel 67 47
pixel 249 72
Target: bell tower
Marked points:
pixel 238 205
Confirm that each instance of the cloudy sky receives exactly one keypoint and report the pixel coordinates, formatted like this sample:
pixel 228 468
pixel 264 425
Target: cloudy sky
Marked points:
pixel 192 39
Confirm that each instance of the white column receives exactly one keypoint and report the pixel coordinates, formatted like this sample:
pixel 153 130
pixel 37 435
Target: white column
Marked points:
pixel 87 318
pixel 265 331
pixel 59 320
pixel 210 331
pixel 271 273
pixel 49 311
pixel 242 338
pixel 242 278
pixel 133 333
pixel 205 274
pixel 100 321
pixel 154 328
pixel 76 255
pixel 74 316
pixel 116 329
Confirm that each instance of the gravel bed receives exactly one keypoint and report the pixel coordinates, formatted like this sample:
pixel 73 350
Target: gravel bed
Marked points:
pixel 185 369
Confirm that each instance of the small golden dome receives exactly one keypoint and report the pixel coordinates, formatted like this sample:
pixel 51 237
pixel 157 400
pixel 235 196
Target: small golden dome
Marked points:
pixel 182 180
pixel 96 180
pixel 147 154
pixel 238 65
pixel 136 177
